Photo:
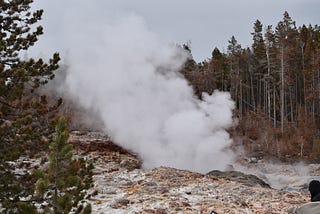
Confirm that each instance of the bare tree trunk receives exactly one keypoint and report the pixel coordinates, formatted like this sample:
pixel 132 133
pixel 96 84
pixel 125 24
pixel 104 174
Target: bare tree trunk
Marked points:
pixel 259 93
pixel 240 102
pixel 264 96
pixel 268 85
pixel 269 101
pixel 318 81
pixel 304 78
pixel 282 113
pixel 252 89
pixel 274 107
pixel 291 104
pixel 314 86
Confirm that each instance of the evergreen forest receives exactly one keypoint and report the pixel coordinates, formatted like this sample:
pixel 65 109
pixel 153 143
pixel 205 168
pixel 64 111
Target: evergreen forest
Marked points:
pixel 275 84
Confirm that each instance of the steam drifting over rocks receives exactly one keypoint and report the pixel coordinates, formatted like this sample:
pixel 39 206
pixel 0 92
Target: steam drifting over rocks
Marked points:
pixel 130 77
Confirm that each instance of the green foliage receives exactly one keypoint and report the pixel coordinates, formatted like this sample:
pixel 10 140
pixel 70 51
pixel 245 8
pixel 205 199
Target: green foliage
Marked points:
pixel 26 208
pixel 87 209
pixel 25 118
pixel 190 64
pixel 67 178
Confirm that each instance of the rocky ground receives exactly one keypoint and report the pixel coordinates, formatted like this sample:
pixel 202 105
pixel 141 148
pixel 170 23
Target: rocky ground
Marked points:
pixel 121 186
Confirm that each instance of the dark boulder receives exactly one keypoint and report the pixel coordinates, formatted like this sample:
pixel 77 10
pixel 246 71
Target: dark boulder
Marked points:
pixel 249 180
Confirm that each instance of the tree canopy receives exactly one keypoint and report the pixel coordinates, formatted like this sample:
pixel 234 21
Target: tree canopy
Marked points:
pixel 25 116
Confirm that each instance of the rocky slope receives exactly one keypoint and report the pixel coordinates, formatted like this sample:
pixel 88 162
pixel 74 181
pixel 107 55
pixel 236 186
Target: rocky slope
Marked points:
pixel 121 186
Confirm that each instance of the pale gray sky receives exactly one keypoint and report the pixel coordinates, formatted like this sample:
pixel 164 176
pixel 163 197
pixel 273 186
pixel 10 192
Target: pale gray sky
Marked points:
pixel 206 23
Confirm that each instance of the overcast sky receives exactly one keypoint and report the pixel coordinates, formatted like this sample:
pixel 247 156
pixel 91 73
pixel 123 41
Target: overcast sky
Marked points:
pixel 206 23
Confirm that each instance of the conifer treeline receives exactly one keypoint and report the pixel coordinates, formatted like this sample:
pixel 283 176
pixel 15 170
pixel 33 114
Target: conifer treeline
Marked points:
pixel 276 80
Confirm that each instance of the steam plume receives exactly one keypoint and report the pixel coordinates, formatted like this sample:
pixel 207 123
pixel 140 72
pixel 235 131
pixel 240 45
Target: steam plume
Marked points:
pixel 129 75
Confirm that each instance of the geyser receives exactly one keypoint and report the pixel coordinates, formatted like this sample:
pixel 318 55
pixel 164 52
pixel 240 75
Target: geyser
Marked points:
pixel 129 75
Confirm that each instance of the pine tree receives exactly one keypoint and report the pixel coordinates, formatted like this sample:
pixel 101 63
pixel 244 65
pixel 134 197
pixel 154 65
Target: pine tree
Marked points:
pixel 24 116
pixel 272 67
pixel 219 65
pixel 234 54
pixel 258 45
pixel 261 79
pixel 67 178
pixel 283 30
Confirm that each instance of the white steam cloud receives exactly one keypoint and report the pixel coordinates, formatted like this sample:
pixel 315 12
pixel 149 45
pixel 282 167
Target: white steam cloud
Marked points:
pixel 129 75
